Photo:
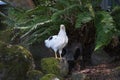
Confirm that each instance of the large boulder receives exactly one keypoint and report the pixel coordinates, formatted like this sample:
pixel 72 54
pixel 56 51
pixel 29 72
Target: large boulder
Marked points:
pixel 15 62
pixel 100 57
pixel 54 66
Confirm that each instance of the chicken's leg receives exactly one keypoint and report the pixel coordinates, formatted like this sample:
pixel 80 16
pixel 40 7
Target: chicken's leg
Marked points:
pixel 60 52
pixel 60 56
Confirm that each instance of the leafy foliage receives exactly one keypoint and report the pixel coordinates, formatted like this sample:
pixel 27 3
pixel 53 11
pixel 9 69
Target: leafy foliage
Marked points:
pixel 105 29
pixel 72 13
pixel 83 18
pixel 116 16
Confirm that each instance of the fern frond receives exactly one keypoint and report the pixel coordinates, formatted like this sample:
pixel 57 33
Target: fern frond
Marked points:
pixel 34 28
pixel 90 8
pixel 116 16
pixel 83 18
pixel 65 12
pixel 105 29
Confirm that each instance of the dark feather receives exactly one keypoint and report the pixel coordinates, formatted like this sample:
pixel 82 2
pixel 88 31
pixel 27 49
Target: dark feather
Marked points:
pixel 50 37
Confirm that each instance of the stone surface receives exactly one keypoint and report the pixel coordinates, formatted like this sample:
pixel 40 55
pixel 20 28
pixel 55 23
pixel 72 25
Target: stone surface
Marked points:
pixel 15 62
pixel 99 57
pixel 54 66
pixel 78 76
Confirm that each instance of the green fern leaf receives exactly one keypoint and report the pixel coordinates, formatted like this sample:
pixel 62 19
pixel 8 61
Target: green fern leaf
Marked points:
pixel 82 18
pixel 66 12
pixel 105 29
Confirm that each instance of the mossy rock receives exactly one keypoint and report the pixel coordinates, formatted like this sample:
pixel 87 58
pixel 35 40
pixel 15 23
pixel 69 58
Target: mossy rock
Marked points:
pixel 34 75
pixel 49 77
pixel 50 65
pixel 15 62
pixel 54 66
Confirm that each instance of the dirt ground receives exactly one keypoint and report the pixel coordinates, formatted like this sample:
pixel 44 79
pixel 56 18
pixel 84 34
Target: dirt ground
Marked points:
pixel 109 71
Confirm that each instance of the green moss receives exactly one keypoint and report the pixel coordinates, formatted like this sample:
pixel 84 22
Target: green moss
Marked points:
pixel 34 75
pixel 50 65
pixel 48 77
pixel 17 61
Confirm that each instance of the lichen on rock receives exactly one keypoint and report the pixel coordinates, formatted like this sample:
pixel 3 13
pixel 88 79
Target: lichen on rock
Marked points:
pixel 15 60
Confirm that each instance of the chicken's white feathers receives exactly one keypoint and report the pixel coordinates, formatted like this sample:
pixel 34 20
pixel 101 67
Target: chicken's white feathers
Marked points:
pixel 58 42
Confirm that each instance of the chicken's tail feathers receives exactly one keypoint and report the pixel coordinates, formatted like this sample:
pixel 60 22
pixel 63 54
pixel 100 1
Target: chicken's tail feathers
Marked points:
pixel 47 44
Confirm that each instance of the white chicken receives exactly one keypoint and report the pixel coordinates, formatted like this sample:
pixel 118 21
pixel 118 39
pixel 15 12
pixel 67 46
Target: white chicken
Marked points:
pixel 58 42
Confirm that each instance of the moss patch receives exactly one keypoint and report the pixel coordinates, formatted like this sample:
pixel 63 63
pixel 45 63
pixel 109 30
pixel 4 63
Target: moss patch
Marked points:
pixel 50 65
